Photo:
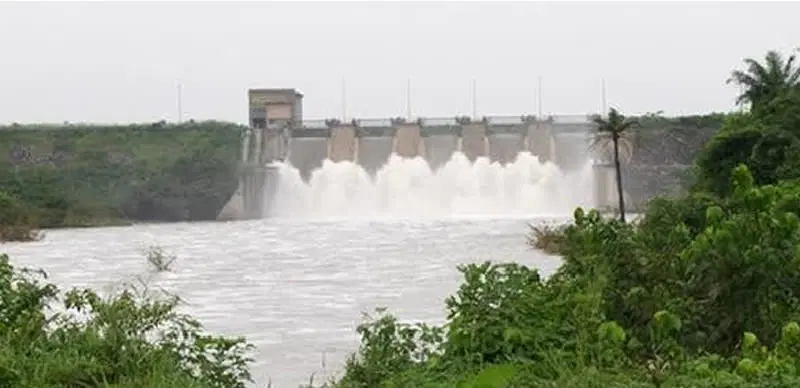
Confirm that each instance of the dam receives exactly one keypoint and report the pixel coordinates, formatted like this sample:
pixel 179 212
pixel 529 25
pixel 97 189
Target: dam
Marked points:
pixel 426 167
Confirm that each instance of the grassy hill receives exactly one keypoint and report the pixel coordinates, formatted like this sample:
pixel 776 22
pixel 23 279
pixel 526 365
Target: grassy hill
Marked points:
pixel 81 175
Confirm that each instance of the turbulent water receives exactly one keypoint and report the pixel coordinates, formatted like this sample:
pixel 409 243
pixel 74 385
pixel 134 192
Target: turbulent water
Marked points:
pixel 409 189
pixel 344 243
pixel 295 289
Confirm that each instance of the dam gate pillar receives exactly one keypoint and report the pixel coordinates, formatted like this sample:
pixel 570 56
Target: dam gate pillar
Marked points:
pixel 342 144
pixel 474 140
pixel 408 142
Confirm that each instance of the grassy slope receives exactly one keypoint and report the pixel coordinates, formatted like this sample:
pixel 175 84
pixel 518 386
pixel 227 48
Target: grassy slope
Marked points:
pixel 143 172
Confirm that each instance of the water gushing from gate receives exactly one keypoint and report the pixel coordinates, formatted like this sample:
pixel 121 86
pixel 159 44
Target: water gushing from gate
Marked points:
pixel 408 189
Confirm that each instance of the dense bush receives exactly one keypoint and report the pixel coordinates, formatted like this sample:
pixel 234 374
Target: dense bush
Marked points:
pixel 699 293
pixel 76 175
pixel 131 340
pixel 16 222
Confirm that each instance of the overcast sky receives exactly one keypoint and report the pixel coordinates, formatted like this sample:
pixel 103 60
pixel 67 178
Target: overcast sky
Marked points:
pixel 121 62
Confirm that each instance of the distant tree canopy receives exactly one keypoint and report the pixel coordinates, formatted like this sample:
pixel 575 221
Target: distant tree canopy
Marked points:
pixel 88 175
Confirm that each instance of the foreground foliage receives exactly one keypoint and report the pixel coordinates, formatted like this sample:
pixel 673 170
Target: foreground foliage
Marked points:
pixel 131 340
pixel 697 294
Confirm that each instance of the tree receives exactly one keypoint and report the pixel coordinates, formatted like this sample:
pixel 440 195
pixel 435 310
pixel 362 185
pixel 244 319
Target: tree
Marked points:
pixel 783 111
pixel 615 127
pixel 762 83
pixel 723 153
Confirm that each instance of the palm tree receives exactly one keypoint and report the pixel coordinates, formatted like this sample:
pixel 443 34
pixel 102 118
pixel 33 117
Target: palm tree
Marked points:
pixel 615 126
pixel 761 83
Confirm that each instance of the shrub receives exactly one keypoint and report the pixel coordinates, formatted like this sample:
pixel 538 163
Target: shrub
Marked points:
pixel 16 222
pixel 159 260
pixel 728 149
pixel 546 238
pixel 131 339
pixel 390 350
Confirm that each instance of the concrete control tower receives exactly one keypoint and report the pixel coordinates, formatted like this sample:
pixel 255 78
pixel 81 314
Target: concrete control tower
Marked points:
pixel 274 106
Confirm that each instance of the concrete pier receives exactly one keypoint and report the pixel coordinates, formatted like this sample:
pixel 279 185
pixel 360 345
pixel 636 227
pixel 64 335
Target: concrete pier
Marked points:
pixel 408 142
pixel 342 145
pixel 473 140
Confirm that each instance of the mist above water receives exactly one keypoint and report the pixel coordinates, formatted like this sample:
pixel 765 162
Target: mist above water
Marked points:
pixel 408 189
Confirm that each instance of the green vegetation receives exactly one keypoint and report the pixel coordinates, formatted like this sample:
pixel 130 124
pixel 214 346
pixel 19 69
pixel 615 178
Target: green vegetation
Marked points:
pixel 697 294
pixel 16 223
pixel 547 238
pixel 767 139
pixel 133 339
pixel 78 175
pixel 701 291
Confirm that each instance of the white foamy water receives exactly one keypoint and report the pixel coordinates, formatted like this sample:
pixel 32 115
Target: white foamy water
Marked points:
pixel 408 189
pixel 294 289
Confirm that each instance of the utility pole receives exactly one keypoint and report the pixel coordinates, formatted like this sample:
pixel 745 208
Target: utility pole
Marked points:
pixel 539 97
pixel 408 100
pixel 344 100
pixel 603 103
pixel 180 104
pixel 474 100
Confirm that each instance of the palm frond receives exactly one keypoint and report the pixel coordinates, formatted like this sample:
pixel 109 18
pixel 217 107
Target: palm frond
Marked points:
pixel 756 70
pixel 603 146
pixel 763 81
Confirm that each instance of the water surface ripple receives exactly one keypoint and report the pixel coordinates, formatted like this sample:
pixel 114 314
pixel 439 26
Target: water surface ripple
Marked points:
pixel 296 290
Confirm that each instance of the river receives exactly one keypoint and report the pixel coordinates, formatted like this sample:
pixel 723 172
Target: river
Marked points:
pixel 295 289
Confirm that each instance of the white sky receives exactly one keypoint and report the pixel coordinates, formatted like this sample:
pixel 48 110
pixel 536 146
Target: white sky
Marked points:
pixel 121 62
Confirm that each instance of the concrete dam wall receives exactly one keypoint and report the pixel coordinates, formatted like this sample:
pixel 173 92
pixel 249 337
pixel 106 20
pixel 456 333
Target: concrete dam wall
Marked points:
pixel 370 144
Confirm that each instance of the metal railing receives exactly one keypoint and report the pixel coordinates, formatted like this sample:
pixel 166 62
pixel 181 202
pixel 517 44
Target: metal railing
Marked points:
pixel 375 122
pixel 504 120
pixel 571 119
pixel 453 120
pixel 437 121
pixel 314 124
